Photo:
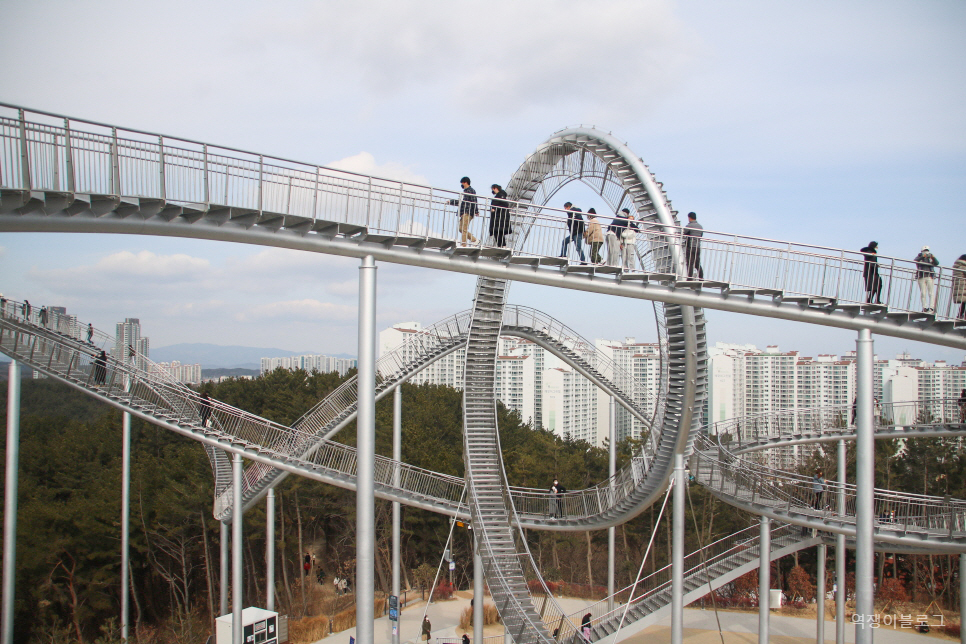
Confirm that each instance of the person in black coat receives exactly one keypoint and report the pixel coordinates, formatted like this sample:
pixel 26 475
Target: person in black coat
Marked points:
pixel 575 231
pixel 870 274
pixel 100 368
pixel 499 215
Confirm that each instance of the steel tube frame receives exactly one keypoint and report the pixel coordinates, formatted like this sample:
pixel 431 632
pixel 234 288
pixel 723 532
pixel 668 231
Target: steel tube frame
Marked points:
pixel 237 570
pixel 125 521
pixel 366 453
pixel 864 490
pixel 962 598
pixel 396 507
pixel 223 570
pixel 11 480
pixel 820 595
pixel 840 553
pixel 270 549
pixel 488 268
pixel 611 531
pixel 477 592
pixel 677 552
pixel 764 578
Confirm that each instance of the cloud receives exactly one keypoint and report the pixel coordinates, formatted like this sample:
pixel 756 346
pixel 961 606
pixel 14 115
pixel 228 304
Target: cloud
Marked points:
pixel 499 57
pixel 123 271
pixel 365 163
pixel 307 310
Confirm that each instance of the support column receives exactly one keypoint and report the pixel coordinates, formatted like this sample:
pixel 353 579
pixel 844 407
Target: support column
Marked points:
pixel 840 596
pixel 820 600
pixel 396 507
pixel 11 482
pixel 366 454
pixel 477 593
pixel 764 579
pixel 677 552
pixel 864 491
pixel 962 598
pixel 237 570
pixel 223 571
pixel 611 531
pixel 270 549
pixel 125 522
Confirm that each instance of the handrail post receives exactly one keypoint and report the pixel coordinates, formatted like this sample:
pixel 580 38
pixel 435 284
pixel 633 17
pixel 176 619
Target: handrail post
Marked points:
pixel 261 169
pixel 69 156
pixel 161 181
pixel 115 165
pixel 24 154
pixel 204 151
pixel 315 194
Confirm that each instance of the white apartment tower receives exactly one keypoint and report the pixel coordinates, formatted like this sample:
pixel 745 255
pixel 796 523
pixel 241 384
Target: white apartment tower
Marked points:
pixel 128 335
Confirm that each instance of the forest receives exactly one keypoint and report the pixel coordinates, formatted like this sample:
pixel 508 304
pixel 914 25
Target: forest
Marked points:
pixel 68 549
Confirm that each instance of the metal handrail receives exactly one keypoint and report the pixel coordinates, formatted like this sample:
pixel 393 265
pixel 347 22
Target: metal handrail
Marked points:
pixel 197 175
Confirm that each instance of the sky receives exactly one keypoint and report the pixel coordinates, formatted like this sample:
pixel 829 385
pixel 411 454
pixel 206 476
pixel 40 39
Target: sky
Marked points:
pixel 824 122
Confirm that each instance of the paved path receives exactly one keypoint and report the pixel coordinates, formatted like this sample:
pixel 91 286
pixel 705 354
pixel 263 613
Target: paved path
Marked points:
pixel 700 627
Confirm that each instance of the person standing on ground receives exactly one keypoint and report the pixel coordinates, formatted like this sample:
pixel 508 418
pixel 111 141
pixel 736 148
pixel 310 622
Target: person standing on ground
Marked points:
pixel 204 409
pixel 926 277
pixel 427 627
pixel 499 215
pixel 594 236
pixel 307 563
pixel 693 233
pixel 959 285
pixel 556 490
pixel 335 585
pixel 870 274
pixel 468 210
pixel 575 231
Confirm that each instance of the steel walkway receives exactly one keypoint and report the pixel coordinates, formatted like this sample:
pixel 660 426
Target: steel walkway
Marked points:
pixel 59 174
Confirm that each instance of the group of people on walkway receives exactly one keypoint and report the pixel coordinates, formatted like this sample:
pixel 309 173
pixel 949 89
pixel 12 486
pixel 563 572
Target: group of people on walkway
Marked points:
pixel 499 225
pixel 925 275
pixel 619 238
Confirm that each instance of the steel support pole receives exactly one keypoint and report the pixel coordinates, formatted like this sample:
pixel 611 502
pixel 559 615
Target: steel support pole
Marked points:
pixel 270 549
pixel 223 570
pixel 366 451
pixel 962 598
pixel 820 595
pixel 611 531
pixel 764 578
pixel 477 592
pixel 125 521
pixel 840 596
pixel 11 481
pixel 864 491
pixel 677 552
pixel 396 506
pixel 237 570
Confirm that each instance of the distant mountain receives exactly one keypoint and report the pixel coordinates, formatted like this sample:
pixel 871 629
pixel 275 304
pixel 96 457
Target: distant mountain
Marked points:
pixel 214 356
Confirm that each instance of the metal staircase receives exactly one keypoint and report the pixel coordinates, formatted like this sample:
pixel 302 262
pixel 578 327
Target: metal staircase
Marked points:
pixel 491 507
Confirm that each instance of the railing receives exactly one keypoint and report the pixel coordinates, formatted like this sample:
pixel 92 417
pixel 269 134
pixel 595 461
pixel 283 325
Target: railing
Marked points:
pixel 714 560
pixel 50 153
pixel 749 483
pixel 763 427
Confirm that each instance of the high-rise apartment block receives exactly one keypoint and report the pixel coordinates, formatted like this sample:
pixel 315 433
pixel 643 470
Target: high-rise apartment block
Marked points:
pixel 310 363
pixel 544 390
pixel 128 338
pixel 186 373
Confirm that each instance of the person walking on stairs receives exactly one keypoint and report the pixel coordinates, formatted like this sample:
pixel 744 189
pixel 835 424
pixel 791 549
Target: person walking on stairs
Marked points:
pixel 959 285
pixel 575 231
pixel 594 236
pixel 693 233
pixel 870 274
pixel 499 215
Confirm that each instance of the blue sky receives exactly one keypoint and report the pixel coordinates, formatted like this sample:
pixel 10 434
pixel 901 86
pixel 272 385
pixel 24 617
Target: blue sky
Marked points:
pixel 823 122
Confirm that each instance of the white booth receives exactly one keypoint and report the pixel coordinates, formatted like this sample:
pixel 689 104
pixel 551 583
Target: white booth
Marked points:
pixel 259 626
